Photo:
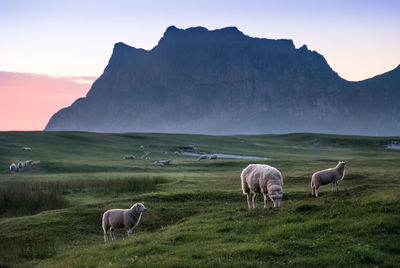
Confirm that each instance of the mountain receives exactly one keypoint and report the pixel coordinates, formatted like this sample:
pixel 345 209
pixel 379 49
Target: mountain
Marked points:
pixel 224 82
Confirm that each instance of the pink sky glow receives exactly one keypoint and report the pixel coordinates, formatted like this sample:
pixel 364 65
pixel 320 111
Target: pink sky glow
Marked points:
pixel 27 101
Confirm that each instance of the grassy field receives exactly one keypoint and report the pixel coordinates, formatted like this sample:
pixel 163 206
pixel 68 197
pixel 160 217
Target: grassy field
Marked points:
pixel 50 214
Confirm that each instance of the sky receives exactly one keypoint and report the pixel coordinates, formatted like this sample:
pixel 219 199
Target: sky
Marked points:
pixel 63 40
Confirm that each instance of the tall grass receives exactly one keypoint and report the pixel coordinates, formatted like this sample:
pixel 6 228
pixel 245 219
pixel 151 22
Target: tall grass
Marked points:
pixel 30 197
pixel 20 199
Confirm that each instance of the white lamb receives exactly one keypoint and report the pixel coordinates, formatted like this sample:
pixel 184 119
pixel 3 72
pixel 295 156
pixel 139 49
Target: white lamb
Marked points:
pixel 13 168
pixel 326 176
pixel 127 219
pixel 262 179
pixel 21 166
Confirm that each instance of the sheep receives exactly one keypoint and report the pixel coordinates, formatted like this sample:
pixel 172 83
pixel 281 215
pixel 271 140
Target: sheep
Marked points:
pixel 203 157
pixel 262 179
pixel 166 153
pixel 26 149
pixel 147 157
pixel 330 175
pixel 213 157
pixel 162 163
pixel 141 147
pixel 28 162
pixel 130 157
pixel 21 166
pixel 177 153
pixel 13 168
pixel 127 219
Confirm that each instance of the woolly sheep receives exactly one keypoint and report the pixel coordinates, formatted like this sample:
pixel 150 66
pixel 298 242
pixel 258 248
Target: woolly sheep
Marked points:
pixel 141 147
pixel 21 166
pixel 130 157
pixel 203 157
pixel 26 149
pixel 28 162
pixel 162 163
pixel 147 157
pixel 330 175
pixel 166 153
pixel 13 168
pixel 213 157
pixel 262 179
pixel 127 219
pixel 176 153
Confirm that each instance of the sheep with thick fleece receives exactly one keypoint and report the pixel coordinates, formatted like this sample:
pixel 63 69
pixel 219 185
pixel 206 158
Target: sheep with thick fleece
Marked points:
pixel 262 179
pixel 21 166
pixel 326 176
pixel 127 219
pixel 13 168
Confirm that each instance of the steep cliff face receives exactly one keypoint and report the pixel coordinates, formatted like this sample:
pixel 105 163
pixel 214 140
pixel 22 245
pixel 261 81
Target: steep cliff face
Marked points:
pixel 224 82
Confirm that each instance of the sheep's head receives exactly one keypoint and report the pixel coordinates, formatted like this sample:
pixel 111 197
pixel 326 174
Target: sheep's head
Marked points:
pixel 141 207
pixel 276 197
pixel 342 164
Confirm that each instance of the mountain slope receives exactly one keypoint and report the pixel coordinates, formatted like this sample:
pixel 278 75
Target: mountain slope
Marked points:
pixel 224 82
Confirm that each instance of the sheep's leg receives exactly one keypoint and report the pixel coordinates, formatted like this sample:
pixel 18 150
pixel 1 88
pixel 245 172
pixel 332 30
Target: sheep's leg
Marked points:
pixel 316 192
pixel 105 236
pixel 254 200
pixel 265 200
pixel 129 231
pixel 112 235
pixel 248 199
pixel 313 191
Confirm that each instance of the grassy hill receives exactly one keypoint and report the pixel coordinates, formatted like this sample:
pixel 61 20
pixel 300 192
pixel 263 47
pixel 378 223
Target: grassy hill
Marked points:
pixel 50 214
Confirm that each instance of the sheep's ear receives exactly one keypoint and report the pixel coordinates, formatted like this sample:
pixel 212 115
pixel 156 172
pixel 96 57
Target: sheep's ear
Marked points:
pixel 142 202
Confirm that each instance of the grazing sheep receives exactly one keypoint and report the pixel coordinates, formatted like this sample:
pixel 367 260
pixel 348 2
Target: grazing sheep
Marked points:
pixel 213 157
pixel 177 153
pixel 26 149
pixel 262 179
pixel 13 168
pixel 147 157
pixel 28 162
pixel 162 163
pixel 130 157
pixel 141 147
pixel 35 163
pixel 330 175
pixel 127 219
pixel 166 153
pixel 203 157
pixel 21 166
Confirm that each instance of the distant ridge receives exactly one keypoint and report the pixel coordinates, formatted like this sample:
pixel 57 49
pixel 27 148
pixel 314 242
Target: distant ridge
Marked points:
pixel 225 82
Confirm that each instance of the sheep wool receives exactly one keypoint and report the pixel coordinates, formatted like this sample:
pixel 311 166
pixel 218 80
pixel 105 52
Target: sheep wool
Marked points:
pixel 326 176
pixel 262 179
pixel 127 219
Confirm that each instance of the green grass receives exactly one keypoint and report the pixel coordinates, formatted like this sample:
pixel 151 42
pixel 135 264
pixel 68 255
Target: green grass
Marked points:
pixel 50 214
